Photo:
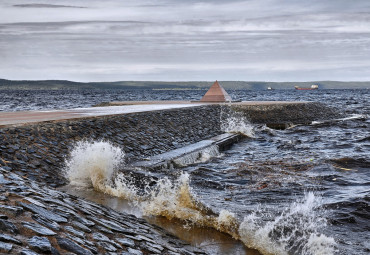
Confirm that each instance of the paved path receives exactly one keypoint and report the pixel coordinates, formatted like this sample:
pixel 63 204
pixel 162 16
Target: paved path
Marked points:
pixel 15 118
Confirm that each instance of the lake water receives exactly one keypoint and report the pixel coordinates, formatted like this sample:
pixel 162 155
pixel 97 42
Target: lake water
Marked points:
pixel 303 190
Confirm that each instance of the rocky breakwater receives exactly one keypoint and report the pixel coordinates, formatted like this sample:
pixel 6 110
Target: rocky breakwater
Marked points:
pixel 36 219
pixel 38 151
pixel 282 114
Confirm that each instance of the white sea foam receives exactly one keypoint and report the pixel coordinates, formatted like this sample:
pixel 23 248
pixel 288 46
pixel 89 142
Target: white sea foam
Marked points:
pixel 92 162
pixel 350 117
pixel 198 156
pixel 234 122
pixel 95 164
pixel 296 230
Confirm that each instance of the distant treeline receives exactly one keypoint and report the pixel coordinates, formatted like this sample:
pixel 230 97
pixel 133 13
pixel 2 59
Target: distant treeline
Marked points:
pixel 248 85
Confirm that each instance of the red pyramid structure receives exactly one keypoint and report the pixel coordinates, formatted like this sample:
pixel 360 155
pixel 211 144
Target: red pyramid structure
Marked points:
pixel 216 93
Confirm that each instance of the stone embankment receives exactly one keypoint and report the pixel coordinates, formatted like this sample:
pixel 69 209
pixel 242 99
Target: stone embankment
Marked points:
pixel 38 151
pixel 36 219
pixel 286 112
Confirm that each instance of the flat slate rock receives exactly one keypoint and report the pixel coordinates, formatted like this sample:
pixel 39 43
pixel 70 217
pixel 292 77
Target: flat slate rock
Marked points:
pixel 100 237
pixel 115 226
pixel 126 242
pixel 9 239
pixel 43 212
pixel 15 210
pixel 84 221
pixel 48 223
pixel 107 246
pixel 80 226
pixel 5 247
pixel 40 244
pixel 38 229
pixel 28 252
pixel 71 246
pixel 8 226
pixel 75 232
pixel 134 251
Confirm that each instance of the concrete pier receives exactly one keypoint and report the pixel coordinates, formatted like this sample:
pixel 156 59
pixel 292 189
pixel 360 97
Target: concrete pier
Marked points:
pixel 254 108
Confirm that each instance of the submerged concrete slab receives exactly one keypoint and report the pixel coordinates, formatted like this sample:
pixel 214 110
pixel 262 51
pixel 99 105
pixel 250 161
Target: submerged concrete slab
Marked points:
pixel 171 158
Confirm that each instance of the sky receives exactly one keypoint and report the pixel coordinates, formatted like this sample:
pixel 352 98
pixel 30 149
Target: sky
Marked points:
pixel 185 40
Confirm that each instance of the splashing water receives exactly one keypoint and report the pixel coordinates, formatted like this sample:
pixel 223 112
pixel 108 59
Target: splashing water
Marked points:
pixel 172 200
pixel 234 122
pixel 197 156
pixel 95 163
pixel 295 231
pixel 177 200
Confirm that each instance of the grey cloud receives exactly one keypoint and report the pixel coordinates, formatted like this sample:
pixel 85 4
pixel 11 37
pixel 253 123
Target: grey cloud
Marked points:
pixel 187 40
pixel 45 6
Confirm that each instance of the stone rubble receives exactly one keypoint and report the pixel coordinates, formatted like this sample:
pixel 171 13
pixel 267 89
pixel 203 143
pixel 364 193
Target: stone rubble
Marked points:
pixel 34 222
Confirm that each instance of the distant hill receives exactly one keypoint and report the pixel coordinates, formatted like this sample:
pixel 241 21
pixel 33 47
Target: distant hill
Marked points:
pixel 249 85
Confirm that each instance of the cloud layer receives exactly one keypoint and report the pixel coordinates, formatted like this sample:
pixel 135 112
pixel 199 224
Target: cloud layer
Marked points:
pixel 110 40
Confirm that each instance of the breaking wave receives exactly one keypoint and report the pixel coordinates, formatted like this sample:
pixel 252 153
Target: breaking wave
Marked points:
pixel 96 164
pixel 295 231
pixel 234 122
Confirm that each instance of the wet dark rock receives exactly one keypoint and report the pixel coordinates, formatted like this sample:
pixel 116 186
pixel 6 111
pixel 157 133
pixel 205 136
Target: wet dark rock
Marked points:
pixel 9 239
pixel 134 251
pixel 3 180
pixel 35 202
pixel 15 210
pixel 7 168
pixel 114 226
pixel 104 230
pixel 100 237
pixel 3 217
pixel 71 246
pixel 40 244
pixel 38 228
pixel 141 237
pixel 7 226
pixel 61 213
pixel 155 246
pixel 84 221
pixel 5 247
pixel 80 226
pixel 88 244
pixel 48 223
pixel 151 249
pixel 126 242
pixel 43 212
pixel 107 246
pixel 75 232
pixel 28 252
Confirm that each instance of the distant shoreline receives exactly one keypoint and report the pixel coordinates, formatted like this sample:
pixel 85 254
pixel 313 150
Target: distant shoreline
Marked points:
pixel 167 85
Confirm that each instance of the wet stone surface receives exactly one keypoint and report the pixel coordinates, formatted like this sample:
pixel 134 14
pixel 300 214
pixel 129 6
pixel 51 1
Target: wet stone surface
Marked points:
pixel 38 151
pixel 85 227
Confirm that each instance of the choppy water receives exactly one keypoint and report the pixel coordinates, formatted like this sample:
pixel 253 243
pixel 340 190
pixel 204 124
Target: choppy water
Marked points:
pixel 304 190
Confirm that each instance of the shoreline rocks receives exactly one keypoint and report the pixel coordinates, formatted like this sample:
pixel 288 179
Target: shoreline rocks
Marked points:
pixel 66 223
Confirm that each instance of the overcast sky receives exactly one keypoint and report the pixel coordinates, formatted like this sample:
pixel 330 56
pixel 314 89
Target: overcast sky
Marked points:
pixel 183 40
